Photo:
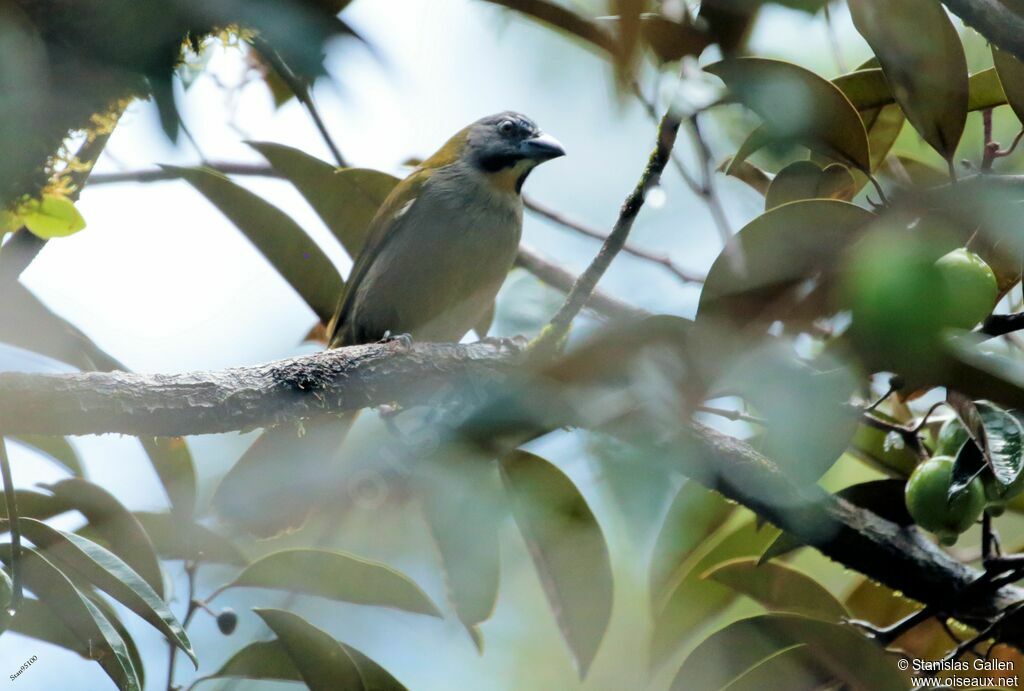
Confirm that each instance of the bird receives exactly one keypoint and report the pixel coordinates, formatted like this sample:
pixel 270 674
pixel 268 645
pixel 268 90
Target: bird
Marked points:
pixel 437 252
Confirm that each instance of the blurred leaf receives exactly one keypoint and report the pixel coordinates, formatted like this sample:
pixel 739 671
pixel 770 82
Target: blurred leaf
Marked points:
pixel 57 448
pixel 628 33
pixel 174 538
pixel 81 617
pixel 730 652
pixel 37 620
pixel 867 88
pixel 560 17
pixel 692 600
pixel 345 198
pixel 806 180
pixel 27 323
pixel 755 141
pixel 798 105
pixel 779 588
pixel 278 238
pixel 51 217
pixel 871 445
pixel 919 173
pixel 115 525
pixel 884 126
pixel 782 247
pixel 671 40
pixel 484 324
pixel 337 576
pixel 567 547
pixel 36 505
pixel 322 662
pixel 984 90
pixel 695 513
pixel 162 90
pixel 923 61
pixel 173 464
pixel 260 660
pixel 107 572
pixel 783 544
pixel 462 504
pixel 795 667
pixel 748 173
pixel 1010 71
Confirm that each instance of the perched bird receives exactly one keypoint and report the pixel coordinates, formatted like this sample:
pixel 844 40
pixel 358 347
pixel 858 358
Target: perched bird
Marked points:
pixel 437 251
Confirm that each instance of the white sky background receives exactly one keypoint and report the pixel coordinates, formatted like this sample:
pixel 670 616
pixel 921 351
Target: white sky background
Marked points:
pixel 163 282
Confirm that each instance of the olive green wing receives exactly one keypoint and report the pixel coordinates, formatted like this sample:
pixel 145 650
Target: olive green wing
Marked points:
pixel 384 226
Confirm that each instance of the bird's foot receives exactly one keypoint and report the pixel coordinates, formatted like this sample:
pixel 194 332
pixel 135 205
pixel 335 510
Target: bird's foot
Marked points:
pixel 515 343
pixel 404 341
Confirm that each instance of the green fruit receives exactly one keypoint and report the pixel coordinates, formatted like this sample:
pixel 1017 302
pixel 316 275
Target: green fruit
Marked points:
pixel 997 493
pixel 952 436
pixel 927 495
pixel 971 287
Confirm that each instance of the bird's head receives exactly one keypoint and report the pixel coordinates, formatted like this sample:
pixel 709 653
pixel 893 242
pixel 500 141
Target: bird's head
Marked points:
pixel 504 147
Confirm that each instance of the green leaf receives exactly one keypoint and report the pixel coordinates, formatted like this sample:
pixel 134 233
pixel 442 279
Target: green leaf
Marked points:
pixel 461 500
pixel 82 618
pixel 51 217
pixel 985 90
pixel 671 40
pixel 778 588
pixel 798 106
pixel 57 448
pixel 756 179
pixel 560 17
pixel 1005 436
pixel 111 522
pixel 795 667
pixel 337 576
pixel 175 539
pixel 36 620
pixel 345 198
pixel 322 661
pixel 923 60
pixel 129 643
pixel 1010 71
pixel 278 238
pixel 867 88
pixel 173 464
pixel 36 505
pixel 567 547
pixel 693 600
pixel 802 180
pixel 734 650
pixel 782 248
pixel 695 513
pixel 109 573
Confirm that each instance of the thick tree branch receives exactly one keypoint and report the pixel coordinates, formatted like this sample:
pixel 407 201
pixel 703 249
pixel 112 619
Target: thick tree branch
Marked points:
pixel 350 378
pixel 994 20
pixel 1002 324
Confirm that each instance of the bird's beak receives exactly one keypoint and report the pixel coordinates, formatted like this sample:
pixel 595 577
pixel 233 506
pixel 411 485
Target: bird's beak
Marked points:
pixel 542 148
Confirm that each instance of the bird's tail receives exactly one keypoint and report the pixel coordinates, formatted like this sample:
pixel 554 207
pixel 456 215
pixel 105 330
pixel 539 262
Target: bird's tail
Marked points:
pixel 282 477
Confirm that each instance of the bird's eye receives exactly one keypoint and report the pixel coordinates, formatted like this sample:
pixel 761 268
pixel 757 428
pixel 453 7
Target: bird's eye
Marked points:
pixel 507 127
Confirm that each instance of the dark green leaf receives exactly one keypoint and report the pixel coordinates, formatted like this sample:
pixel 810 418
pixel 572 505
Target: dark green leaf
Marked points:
pixel 560 17
pixel 175 539
pixel 755 178
pixel 280 239
pixel 109 573
pixel 802 180
pixel 115 525
pixel 172 462
pixel 671 40
pixel 81 617
pixel 782 247
pixel 798 106
pixel 730 652
pixel 129 642
pixel 57 448
pixel 260 660
pixel 338 576
pixel 345 198
pixel 322 662
pixel 923 60
pixel 1011 78
pixel 779 588
pixel 882 497
pixel 795 667
pixel 695 513
pixel 568 550
pixel 985 90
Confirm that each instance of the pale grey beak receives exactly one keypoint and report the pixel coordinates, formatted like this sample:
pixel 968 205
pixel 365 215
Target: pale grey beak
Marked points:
pixel 542 148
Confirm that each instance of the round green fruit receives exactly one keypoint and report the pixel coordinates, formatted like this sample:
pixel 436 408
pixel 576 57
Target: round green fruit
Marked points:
pixel 927 500
pixel 971 287
pixel 952 436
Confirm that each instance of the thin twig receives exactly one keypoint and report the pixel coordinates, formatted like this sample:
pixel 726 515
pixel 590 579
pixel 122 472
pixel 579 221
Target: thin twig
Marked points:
pixel 572 224
pixel 301 91
pixel 733 415
pixel 668 129
pixel 11 503
pixel 193 606
pixel 1013 145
